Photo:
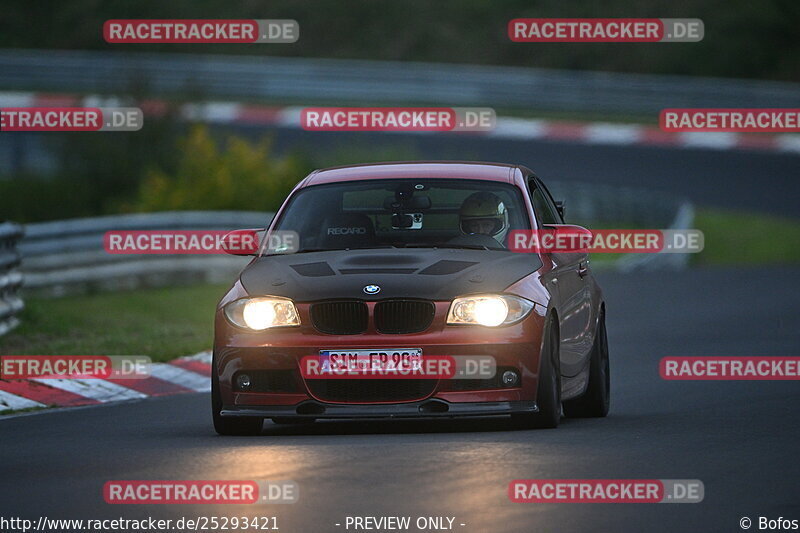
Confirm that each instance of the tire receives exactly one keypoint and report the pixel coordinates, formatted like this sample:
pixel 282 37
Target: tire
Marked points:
pixel 292 420
pixel 594 403
pixel 548 396
pixel 239 425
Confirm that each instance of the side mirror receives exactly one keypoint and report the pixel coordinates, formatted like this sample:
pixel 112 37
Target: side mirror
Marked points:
pixel 569 243
pixel 560 208
pixel 243 241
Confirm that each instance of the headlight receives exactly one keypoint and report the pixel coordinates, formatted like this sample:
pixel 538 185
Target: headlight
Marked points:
pixel 262 313
pixel 488 309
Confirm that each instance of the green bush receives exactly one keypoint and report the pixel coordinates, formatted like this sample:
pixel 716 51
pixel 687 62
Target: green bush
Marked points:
pixel 240 176
pixel 174 168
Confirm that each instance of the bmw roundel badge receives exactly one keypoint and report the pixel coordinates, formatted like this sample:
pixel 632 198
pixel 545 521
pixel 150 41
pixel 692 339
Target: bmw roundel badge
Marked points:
pixel 372 289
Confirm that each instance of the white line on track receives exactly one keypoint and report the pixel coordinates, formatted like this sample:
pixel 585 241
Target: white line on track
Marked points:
pixel 12 401
pixel 180 376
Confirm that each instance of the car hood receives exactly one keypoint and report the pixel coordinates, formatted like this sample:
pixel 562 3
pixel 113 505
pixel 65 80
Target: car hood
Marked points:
pixel 434 274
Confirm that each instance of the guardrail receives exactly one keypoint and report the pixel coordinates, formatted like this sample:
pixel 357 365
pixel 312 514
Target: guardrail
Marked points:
pixel 10 278
pixel 67 257
pixel 308 80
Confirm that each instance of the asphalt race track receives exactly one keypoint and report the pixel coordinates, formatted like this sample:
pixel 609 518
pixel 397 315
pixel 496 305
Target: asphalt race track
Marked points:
pixel 739 438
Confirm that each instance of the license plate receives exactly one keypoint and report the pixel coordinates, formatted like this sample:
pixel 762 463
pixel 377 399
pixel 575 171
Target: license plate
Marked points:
pixel 374 359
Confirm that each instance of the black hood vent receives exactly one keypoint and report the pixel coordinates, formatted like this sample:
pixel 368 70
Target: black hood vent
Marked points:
pixel 446 267
pixel 314 270
pixel 377 271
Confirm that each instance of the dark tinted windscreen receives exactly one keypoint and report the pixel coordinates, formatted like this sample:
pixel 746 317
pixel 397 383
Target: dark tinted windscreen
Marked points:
pixel 405 213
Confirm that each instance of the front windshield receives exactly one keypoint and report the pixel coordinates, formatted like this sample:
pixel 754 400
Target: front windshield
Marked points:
pixel 405 213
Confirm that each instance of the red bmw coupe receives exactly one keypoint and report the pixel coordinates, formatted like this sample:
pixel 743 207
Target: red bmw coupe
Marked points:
pixel 411 262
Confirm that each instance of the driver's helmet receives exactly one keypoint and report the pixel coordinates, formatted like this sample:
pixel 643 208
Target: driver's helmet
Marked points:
pixel 484 213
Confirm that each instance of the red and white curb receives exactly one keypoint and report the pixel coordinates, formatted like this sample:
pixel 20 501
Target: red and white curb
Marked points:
pixel 183 375
pixel 600 133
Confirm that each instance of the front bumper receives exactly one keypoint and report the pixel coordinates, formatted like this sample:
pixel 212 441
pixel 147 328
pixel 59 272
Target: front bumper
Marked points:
pixel 431 408
pixel 235 351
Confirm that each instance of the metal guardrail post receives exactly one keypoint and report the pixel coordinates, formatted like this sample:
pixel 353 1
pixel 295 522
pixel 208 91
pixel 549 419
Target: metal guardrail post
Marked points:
pixel 10 278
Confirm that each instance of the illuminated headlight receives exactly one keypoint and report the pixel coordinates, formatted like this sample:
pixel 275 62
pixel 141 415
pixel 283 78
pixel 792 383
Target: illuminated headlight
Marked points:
pixel 262 313
pixel 488 309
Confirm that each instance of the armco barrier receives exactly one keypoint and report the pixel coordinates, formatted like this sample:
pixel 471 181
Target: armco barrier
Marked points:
pixel 358 82
pixel 10 277
pixel 67 257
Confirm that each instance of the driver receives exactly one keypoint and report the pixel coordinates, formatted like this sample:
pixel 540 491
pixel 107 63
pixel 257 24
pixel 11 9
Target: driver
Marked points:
pixel 484 213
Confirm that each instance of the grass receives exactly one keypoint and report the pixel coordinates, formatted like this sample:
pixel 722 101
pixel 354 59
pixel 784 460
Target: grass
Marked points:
pixel 733 238
pixel 736 238
pixel 160 323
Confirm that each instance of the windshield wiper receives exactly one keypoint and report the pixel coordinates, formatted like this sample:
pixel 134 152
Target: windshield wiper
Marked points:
pixel 445 245
pixel 311 250
pixel 385 246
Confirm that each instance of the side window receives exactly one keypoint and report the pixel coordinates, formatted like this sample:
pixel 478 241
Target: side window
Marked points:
pixel 541 206
pixel 551 202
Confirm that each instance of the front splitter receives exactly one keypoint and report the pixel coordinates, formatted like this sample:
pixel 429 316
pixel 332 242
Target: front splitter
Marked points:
pixel 431 408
